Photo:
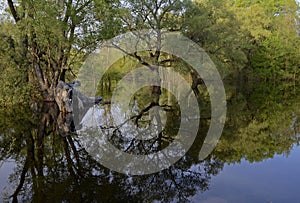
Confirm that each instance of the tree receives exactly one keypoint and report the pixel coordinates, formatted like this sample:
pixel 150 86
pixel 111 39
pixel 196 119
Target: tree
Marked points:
pixel 51 38
pixel 214 26
pixel 272 35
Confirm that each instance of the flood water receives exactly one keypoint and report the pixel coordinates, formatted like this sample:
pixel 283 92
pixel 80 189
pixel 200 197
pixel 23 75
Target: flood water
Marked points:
pixel 256 159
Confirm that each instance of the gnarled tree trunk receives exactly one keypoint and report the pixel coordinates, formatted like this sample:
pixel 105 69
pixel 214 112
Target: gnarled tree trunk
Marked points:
pixel 69 99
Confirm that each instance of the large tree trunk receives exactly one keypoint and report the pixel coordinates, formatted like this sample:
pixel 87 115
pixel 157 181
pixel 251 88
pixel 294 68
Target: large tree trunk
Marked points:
pixel 72 105
pixel 68 98
pixel 48 60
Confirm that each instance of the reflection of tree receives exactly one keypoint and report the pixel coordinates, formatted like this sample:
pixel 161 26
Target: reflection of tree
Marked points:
pixel 143 123
pixel 53 167
pixel 262 122
pixel 177 183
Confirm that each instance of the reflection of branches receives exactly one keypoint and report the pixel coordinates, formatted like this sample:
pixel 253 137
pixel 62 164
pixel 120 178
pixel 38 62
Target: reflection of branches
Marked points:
pixel 63 170
pixel 21 183
pixel 177 184
pixel 293 128
pixel 178 187
pixel 143 111
pixel 76 155
pixel 29 162
pixel 68 157
pixel 137 117
pixel 143 145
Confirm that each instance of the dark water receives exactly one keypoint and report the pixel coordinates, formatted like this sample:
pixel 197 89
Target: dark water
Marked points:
pixel 256 159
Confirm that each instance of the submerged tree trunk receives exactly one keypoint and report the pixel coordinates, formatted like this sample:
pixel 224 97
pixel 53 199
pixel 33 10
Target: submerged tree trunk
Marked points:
pixel 72 105
pixel 68 98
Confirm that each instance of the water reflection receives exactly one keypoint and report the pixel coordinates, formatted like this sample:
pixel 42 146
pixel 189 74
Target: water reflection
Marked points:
pixel 53 166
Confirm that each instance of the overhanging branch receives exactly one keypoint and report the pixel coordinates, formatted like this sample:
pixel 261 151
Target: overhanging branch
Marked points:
pixel 13 10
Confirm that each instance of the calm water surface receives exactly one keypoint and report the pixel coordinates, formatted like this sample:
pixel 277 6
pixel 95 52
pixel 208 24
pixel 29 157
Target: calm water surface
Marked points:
pixel 42 159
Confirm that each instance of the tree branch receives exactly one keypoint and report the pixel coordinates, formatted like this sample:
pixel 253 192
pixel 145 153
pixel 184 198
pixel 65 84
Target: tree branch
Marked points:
pixel 13 10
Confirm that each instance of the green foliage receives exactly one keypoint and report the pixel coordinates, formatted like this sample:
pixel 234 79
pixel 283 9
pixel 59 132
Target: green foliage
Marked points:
pixel 272 29
pixel 49 40
pixel 15 89
pixel 215 28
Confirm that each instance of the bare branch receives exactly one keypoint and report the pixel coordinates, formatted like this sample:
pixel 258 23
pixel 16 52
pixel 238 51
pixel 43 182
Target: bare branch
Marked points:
pixel 13 10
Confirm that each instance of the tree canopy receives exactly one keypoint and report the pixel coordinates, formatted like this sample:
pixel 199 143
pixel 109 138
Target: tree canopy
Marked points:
pixel 43 42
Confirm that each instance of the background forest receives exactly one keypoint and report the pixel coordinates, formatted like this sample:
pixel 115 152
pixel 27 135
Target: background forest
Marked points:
pixel 43 42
